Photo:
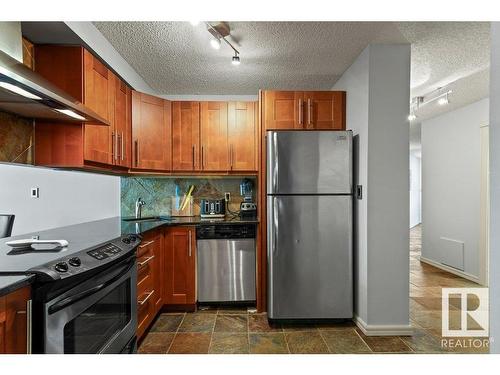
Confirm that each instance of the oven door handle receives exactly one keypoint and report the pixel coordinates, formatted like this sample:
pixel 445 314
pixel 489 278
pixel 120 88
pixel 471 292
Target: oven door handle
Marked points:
pixel 79 296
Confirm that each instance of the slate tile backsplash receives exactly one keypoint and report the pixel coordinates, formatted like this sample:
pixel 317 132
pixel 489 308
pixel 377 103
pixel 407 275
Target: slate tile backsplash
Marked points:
pixel 157 192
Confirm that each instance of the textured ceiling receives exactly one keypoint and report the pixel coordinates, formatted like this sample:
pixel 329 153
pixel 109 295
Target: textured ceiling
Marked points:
pixel 175 58
pixel 448 53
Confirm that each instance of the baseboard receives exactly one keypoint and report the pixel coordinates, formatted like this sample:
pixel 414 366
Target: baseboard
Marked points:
pixel 449 269
pixel 383 330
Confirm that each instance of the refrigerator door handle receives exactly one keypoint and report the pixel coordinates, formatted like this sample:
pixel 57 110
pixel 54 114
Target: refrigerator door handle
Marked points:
pixel 275 225
pixel 275 160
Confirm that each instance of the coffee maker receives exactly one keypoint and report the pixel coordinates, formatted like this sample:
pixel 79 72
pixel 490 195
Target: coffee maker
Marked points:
pixel 248 208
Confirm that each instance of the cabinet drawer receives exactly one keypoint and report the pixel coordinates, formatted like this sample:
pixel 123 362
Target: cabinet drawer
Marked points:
pixel 147 245
pixel 145 310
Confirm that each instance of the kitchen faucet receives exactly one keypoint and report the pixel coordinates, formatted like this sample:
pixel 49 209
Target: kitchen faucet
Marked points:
pixel 138 207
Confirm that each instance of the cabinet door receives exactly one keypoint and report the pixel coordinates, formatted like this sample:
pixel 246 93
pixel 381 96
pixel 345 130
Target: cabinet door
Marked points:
pixel 213 129
pixel 150 132
pixel 242 136
pixel 180 266
pixel 186 136
pixel 99 96
pixel 123 124
pixel 14 317
pixel 283 110
pixel 325 110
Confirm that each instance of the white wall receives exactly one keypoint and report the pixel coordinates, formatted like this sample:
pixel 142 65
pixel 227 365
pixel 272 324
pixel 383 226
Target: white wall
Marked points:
pixel 495 190
pixel 378 90
pixel 451 179
pixel 415 189
pixel 65 197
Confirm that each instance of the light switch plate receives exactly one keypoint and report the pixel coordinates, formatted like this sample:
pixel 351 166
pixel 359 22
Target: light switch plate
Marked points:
pixel 227 196
pixel 35 192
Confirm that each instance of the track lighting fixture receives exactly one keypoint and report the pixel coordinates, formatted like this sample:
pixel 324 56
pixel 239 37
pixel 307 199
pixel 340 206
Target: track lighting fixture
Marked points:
pixel 441 95
pixel 236 59
pixel 215 42
pixel 443 100
pixel 219 33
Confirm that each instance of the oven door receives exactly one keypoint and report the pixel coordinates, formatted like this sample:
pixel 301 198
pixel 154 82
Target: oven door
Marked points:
pixel 97 316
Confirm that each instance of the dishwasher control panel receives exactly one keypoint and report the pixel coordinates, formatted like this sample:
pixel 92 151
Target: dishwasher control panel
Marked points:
pixel 223 231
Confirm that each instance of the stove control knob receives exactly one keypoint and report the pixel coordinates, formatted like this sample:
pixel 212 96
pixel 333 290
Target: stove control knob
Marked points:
pixel 61 267
pixel 75 262
pixel 126 240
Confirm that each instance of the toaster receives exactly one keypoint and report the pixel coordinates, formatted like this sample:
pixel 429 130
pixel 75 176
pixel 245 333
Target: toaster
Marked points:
pixel 213 208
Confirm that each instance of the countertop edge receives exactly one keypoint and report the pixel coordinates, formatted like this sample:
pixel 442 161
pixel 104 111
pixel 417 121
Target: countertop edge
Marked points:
pixel 24 280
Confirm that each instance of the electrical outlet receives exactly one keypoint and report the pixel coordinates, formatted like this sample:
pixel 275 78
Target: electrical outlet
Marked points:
pixel 35 192
pixel 227 196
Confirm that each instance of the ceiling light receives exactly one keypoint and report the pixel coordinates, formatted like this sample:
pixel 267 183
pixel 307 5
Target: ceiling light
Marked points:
pixel 19 91
pixel 215 43
pixel 412 117
pixel 236 60
pixel 443 100
pixel 70 113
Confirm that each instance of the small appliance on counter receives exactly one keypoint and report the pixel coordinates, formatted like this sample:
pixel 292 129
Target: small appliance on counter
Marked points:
pixel 248 209
pixel 213 208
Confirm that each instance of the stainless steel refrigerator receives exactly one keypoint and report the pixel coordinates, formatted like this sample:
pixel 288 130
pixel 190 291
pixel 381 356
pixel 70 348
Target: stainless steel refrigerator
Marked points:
pixel 309 224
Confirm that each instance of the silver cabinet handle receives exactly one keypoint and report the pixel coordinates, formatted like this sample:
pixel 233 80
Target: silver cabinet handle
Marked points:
pixel 190 243
pixel 193 156
pixel 146 244
pixel 300 111
pixel 309 111
pixel 202 157
pixel 145 261
pixel 123 148
pixel 136 142
pixel 113 148
pixel 145 299
pixel 29 329
pixel 231 155
pixel 116 147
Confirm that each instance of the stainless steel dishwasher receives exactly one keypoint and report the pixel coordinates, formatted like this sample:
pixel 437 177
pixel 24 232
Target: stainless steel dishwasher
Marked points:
pixel 226 262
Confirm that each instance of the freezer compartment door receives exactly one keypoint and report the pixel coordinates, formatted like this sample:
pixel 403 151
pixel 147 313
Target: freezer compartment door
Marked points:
pixel 309 162
pixel 310 257
pixel 226 270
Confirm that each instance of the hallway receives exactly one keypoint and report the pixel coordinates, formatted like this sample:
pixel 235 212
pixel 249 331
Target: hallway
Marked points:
pixel 426 283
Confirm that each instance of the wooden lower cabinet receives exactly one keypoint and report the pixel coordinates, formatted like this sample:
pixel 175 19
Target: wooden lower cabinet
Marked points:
pixel 180 266
pixel 149 279
pixel 14 322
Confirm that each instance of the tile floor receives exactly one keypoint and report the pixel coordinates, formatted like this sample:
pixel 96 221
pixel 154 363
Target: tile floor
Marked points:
pixel 235 330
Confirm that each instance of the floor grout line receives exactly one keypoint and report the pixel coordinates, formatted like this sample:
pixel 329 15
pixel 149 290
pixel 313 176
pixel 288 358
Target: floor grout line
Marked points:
pixel 175 333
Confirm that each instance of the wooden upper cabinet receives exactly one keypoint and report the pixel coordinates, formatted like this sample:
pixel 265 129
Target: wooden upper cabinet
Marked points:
pixel 324 110
pixel 14 317
pixel 214 142
pixel 151 132
pixel 242 136
pixel 121 148
pixel 99 91
pixel 283 109
pixel 180 266
pixel 304 110
pixel 186 136
pixel 83 76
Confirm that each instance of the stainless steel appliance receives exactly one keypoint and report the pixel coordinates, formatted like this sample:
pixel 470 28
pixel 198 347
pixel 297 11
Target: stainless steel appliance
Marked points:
pixel 248 209
pixel 309 232
pixel 212 208
pixel 86 302
pixel 226 263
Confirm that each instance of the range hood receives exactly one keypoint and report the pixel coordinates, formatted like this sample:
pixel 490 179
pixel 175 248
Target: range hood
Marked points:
pixel 26 93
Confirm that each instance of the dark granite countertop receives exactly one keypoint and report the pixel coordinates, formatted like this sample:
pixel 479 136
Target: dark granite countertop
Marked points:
pixel 9 284
pixel 81 237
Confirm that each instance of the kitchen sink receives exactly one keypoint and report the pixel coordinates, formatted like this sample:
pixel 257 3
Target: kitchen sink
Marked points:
pixel 148 218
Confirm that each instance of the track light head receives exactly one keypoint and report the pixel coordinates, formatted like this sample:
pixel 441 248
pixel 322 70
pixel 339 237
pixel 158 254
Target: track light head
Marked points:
pixel 412 117
pixel 443 100
pixel 215 43
pixel 236 59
